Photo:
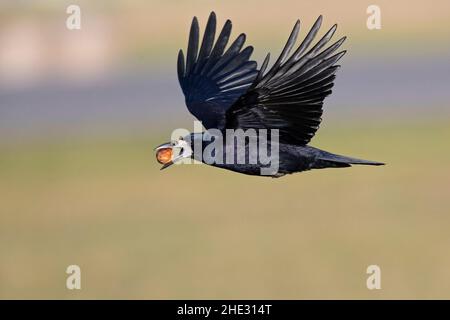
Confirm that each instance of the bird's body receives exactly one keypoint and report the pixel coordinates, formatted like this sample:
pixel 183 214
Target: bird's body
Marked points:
pixel 225 90
pixel 291 159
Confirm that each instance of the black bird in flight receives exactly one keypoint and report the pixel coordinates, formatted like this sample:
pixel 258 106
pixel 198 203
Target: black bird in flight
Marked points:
pixel 225 90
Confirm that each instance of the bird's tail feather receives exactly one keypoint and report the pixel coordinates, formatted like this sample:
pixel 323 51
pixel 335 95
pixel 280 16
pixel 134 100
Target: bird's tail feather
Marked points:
pixel 336 160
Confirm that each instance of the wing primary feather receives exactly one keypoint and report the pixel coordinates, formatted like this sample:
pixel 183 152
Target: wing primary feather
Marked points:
pixel 219 47
pixel 289 44
pixel 232 51
pixel 326 63
pixel 191 55
pixel 293 69
pixel 238 71
pixel 303 46
pixel 284 53
pixel 317 60
pixel 334 47
pixel 308 39
pixel 181 68
pixel 327 74
pixel 324 40
pixel 263 68
pixel 207 42
pixel 237 61
pixel 243 78
pixel 298 79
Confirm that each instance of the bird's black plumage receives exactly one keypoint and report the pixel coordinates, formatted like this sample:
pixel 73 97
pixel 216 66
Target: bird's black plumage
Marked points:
pixel 289 97
pixel 212 79
pixel 227 91
pixel 292 158
pixel 224 89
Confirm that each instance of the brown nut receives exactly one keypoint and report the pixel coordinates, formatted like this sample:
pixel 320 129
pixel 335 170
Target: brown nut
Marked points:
pixel 164 155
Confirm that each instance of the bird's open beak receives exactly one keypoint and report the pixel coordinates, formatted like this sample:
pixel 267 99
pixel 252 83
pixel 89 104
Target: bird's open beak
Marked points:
pixel 163 146
pixel 166 165
pixel 165 161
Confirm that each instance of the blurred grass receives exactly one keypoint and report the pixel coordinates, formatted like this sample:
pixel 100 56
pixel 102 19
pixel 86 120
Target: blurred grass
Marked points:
pixel 201 232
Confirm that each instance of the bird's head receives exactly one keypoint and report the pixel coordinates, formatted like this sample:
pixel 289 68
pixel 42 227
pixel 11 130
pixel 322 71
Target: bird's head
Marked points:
pixel 170 152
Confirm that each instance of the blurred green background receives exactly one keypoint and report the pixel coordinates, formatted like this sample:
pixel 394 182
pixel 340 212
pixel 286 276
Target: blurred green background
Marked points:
pixel 80 112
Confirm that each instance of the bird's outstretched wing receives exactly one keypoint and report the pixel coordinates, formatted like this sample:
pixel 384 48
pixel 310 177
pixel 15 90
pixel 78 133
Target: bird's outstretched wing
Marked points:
pixel 211 78
pixel 289 96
